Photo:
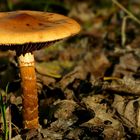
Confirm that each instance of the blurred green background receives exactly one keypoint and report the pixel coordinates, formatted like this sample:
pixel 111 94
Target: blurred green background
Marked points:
pixel 59 6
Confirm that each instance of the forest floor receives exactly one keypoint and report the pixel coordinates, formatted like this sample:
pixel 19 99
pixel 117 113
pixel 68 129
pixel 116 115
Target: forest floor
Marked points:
pixel 88 84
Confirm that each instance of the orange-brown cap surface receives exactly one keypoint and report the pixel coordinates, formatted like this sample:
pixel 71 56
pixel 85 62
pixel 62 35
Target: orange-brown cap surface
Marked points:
pixel 19 27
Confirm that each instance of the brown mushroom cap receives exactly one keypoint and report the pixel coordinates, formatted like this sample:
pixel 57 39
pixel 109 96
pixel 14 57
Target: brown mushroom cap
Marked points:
pixel 21 27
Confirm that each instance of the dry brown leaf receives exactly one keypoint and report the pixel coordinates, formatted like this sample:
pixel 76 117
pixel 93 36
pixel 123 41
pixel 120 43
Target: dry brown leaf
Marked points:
pixel 96 63
pixel 128 109
pixel 126 85
pixel 128 66
pixel 103 117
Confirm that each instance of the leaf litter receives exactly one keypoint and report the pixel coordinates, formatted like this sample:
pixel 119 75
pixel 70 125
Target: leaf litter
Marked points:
pixel 88 85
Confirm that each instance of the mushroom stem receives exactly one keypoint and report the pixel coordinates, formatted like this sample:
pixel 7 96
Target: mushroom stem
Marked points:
pixel 29 87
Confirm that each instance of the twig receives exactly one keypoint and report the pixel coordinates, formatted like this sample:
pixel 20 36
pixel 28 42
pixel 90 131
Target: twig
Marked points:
pixel 123 30
pixel 132 16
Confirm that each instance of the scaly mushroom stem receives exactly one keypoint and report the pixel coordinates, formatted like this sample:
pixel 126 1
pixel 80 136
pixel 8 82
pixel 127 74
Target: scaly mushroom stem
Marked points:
pixel 29 87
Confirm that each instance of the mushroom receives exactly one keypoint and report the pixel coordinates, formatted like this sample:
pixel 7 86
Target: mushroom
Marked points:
pixel 27 31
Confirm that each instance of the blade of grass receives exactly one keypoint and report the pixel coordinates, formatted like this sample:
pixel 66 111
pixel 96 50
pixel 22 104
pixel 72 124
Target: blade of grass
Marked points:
pixel 3 112
pixel 131 15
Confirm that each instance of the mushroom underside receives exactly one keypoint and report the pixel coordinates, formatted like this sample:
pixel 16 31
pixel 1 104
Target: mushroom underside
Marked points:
pixel 25 48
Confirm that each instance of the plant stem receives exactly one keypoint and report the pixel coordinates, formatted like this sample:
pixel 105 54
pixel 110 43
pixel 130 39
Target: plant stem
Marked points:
pixel 3 112
pixel 123 30
pixel 132 16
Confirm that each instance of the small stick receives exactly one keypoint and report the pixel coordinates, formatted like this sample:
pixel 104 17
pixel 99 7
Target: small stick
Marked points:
pixel 132 16
pixel 123 30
